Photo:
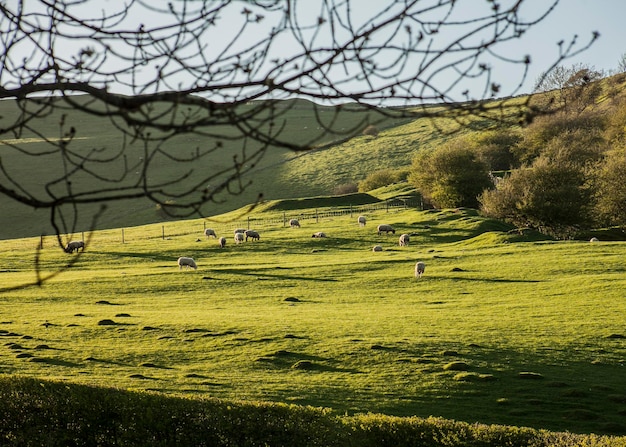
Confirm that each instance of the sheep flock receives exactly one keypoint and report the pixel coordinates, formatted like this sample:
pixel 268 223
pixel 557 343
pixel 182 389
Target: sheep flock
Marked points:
pixel 242 235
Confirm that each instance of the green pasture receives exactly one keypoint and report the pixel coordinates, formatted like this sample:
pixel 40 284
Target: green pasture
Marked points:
pixel 502 329
pixel 31 158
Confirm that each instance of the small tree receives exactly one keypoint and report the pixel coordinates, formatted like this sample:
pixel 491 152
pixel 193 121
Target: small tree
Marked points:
pixel 496 148
pixel 610 192
pixel 552 197
pixel 573 88
pixel 450 176
pixel 380 178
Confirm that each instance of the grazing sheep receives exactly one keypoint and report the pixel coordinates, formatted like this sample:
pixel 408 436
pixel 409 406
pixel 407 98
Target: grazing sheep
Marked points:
pixel 222 242
pixel 186 262
pixel 240 230
pixel 594 240
pixel 209 232
pixel 361 220
pixel 238 238
pixel 377 248
pixel 404 240
pixel 385 228
pixel 319 234
pixel 74 246
pixel 293 223
pixel 419 269
pixel 255 236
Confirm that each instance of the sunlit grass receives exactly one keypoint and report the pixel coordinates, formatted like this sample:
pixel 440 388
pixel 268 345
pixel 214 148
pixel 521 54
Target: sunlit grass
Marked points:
pixel 328 322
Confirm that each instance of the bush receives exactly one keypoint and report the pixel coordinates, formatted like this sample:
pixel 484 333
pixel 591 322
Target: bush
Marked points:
pixel 383 177
pixel 550 196
pixel 610 189
pixel 546 128
pixel 451 176
pixel 346 188
pixel 371 131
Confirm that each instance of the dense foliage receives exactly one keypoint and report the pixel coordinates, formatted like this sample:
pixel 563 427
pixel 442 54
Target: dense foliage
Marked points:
pixel 451 176
pixel 569 180
pixel 36 413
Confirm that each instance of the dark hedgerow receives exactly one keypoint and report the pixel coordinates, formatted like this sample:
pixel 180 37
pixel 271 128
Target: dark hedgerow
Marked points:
pixel 36 413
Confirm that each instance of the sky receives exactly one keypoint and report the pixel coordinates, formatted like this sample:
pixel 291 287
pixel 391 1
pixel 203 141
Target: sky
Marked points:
pixel 582 18
pixel 568 19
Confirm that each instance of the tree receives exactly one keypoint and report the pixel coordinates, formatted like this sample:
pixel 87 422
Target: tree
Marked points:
pixel 201 86
pixel 551 196
pixel 450 176
pixel 496 147
pixel 572 89
pixel 610 192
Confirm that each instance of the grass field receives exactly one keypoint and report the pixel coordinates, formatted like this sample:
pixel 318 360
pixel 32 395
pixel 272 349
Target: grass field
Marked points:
pixel 502 328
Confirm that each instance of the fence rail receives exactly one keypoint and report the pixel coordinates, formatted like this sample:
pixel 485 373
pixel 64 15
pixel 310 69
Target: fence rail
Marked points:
pixel 177 229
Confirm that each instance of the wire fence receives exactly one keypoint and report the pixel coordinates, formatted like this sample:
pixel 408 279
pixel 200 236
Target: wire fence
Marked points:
pixel 170 230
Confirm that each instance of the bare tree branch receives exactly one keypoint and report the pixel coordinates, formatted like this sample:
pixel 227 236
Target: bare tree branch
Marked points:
pixel 220 71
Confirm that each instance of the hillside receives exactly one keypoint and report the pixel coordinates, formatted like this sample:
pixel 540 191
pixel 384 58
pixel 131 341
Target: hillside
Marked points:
pixel 339 154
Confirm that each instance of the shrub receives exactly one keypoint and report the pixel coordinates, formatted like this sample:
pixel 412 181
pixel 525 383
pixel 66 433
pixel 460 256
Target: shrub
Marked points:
pixel 550 196
pixel 346 188
pixel 610 189
pixel 383 177
pixel 451 176
pixel 371 131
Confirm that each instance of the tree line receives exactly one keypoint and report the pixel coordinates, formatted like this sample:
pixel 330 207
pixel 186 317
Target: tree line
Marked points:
pixel 560 173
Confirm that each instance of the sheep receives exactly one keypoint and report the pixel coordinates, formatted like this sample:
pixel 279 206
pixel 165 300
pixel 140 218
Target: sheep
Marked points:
pixel 293 223
pixel 377 248
pixel 222 242
pixel 255 236
pixel 238 238
pixel 386 228
pixel 240 230
pixel 319 234
pixel 419 269
pixel 186 262
pixel 361 220
pixel 593 240
pixel 74 246
pixel 404 240
pixel 209 232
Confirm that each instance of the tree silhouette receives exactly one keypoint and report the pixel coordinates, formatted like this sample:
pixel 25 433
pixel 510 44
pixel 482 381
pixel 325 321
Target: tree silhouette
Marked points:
pixel 162 77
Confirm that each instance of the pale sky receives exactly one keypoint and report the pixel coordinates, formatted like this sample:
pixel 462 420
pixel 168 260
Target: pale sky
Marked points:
pixel 570 18
pixel 580 17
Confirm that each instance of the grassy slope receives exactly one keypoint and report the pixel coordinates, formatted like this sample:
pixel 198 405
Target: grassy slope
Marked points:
pixel 329 323
pixel 300 120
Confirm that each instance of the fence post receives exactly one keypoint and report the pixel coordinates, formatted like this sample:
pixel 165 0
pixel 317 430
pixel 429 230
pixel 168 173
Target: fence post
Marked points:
pixel 284 220
pixel 163 232
pixel 317 217
pixel 41 242
pixel 387 205
pixel 350 210
pixel 123 241
pixel 248 222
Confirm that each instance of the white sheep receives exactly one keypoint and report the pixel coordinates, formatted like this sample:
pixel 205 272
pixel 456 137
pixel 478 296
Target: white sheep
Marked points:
pixel 210 232
pixel 594 240
pixel 238 238
pixel 419 269
pixel 361 220
pixel 294 223
pixel 222 242
pixel 74 246
pixel 404 240
pixel 377 248
pixel 186 262
pixel 319 234
pixel 385 228
pixel 254 235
